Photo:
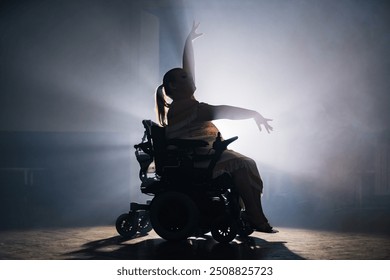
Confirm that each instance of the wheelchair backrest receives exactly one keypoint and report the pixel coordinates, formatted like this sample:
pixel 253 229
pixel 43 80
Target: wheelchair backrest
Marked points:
pixel 159 147
pixel 155 146
pixel 174 152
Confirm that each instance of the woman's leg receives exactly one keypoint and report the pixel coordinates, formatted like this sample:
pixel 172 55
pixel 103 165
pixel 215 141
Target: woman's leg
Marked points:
pixel 250 194
pixel 249 185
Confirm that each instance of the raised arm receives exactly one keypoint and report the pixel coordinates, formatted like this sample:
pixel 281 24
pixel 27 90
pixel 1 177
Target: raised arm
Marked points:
pixel 188 53
pixel 208 113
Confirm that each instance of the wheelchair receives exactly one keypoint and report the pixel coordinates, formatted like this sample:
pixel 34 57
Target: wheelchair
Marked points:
pixel 187 201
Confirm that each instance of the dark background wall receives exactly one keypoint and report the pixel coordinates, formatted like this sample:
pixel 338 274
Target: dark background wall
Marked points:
pixel 62 178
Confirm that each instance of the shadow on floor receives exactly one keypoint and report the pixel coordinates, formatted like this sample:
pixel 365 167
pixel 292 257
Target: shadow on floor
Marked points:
pixel 191 249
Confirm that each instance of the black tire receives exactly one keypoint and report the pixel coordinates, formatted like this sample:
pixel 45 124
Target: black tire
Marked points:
pixel 244 230
pixel 174 216
pixel 244 227
pixel 127 224
pixel 144 224
pixel 224 229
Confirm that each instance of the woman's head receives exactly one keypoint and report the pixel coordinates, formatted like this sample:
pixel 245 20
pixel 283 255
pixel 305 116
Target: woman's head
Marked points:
pixel 177 85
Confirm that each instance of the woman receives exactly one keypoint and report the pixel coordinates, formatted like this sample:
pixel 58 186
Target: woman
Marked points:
pixel 185 117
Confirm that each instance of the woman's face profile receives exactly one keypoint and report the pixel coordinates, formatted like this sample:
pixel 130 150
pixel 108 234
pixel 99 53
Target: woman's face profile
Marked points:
pixel 182 84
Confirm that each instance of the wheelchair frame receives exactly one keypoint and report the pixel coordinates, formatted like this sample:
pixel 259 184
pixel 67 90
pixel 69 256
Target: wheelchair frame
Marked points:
pixel 187 201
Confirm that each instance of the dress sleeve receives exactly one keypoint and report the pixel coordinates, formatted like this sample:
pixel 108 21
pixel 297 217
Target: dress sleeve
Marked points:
pixel 205 112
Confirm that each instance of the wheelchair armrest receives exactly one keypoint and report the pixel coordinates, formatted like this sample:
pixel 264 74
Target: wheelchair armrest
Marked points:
pixel 202 157
pixel 187 143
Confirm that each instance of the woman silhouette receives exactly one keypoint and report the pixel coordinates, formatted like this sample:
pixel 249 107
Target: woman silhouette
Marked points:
pixel 187 118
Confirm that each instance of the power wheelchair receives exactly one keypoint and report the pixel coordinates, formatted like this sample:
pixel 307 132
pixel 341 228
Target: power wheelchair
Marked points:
pixel 187 200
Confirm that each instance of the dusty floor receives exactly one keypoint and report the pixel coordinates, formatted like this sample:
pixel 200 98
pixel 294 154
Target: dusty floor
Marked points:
pixel 103 242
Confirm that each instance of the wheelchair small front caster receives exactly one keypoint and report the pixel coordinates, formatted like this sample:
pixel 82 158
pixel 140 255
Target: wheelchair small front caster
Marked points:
pixel 224 229
pixel 127 224
pixel 144 224
pixel 244 229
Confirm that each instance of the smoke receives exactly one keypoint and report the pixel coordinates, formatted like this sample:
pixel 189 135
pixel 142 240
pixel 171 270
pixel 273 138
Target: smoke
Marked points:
pixel 319 69
pixel 316 68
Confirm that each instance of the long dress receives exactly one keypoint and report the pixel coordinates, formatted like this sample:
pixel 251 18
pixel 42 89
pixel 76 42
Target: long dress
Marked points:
pixel 183 122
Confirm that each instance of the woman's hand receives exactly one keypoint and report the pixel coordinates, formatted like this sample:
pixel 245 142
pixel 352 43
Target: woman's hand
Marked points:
pixel 260 120
pixel 193 34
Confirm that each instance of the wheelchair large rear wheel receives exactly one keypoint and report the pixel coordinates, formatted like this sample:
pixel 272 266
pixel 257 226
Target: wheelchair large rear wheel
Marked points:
pixel 174 216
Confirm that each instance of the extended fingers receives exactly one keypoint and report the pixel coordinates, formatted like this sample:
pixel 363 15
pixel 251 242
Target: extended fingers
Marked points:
pixel 195 25
pixel 194 33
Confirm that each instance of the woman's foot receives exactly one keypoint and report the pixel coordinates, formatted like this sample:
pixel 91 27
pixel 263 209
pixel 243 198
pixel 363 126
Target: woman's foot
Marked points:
pixel 262 227
pixel 265 227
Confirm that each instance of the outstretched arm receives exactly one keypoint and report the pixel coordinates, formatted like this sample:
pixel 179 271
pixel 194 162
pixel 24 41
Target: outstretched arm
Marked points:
pixel 208 113
pixel 188 53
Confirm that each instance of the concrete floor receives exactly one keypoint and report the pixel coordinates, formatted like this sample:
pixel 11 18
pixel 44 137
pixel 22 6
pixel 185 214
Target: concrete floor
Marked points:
pixel 103 242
